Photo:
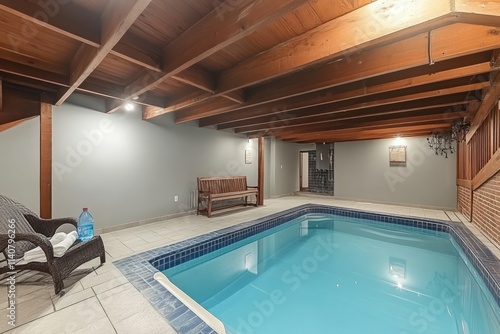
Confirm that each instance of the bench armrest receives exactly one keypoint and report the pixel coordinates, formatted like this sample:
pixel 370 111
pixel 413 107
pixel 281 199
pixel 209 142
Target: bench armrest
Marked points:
pixel 254 187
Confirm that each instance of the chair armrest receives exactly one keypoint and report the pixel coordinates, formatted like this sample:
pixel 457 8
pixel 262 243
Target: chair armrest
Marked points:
pixel 37 239
pixel 48 227
pixel 254 187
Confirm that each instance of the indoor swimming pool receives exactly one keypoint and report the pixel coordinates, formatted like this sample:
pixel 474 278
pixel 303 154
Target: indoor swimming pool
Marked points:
pixel 322 269
pixel 331 274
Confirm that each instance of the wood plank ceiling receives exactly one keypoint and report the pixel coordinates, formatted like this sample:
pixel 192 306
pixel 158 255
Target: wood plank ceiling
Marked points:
pixel 302 71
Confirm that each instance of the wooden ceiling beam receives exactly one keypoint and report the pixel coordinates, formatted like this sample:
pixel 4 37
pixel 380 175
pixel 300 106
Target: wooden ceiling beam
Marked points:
pixel 391 58
pixel 478 12
pixel 449 87
pixel 64 18
pixel 413 117
pixel 115 21
pixel 352 68
pixel 217 105
pixel 489 102
pixel 10 125
pixel 104 89
pixel 198 77
pixel 374 136
pixel 340 114
pixel 74 22
pixel 179 103
pixel 33 73
pixel 29 83
pixel 332 136
pixel 398 56
pixel 334 39
pixel 18 105
pixel 213 33
pixel 422 75
pixel 407 18
pixel 50 81
pixel 237 96
pixel 27 60
pixel 135 56
pixel 220 29
pixel 366 127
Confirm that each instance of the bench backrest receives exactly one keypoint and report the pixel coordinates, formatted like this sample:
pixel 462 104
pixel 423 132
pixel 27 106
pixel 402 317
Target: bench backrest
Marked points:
pixel 219 185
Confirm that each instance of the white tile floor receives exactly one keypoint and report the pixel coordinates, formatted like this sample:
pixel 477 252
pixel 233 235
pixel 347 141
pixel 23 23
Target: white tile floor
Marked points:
pixel 101 300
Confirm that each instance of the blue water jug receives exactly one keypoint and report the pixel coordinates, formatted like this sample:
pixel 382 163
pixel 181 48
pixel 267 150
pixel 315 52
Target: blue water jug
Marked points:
pixel 85 225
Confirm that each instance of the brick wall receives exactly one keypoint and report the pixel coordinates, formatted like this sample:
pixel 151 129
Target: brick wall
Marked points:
pixel 486 208
pixel 464 201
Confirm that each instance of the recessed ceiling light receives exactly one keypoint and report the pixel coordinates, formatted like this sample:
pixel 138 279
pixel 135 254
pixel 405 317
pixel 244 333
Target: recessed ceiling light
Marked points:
pixel 129 106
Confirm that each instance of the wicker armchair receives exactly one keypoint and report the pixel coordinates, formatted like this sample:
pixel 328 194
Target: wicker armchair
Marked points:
pixel 29 231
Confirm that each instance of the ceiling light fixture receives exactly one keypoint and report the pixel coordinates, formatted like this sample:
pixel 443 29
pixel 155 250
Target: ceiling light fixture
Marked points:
pixel 444 142
pixel 129 106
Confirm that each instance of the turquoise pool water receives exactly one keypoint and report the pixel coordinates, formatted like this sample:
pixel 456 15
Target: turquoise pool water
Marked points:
pixel 332 274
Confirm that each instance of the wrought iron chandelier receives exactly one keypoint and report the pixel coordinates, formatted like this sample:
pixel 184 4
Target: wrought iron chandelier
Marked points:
pixel 443 143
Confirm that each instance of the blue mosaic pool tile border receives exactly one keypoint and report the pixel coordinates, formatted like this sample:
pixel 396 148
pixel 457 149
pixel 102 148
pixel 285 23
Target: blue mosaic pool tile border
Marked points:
pixel 140 268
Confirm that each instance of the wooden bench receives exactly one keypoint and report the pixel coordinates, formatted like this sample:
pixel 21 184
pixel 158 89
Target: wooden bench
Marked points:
pixel 212 189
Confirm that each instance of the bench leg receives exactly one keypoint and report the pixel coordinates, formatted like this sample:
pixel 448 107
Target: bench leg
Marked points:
pixel 256 199
pixel 246 200
pixel 209 209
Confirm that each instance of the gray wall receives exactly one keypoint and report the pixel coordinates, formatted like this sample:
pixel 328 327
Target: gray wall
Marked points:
pixel 362 172
pixel 20 163
pixel 125 169
pixel 282 174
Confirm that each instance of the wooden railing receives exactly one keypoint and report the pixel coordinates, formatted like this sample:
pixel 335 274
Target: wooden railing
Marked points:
pixel 483 151
pixel 463 161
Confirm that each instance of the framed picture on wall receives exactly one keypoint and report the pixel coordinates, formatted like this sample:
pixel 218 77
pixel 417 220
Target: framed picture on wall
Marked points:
pixel 248 157
pixel 397 156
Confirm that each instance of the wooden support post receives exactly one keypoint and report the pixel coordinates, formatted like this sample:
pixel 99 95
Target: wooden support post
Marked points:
pixel 468 147
pixel 1 96
pixel 260 177
pixel 45 157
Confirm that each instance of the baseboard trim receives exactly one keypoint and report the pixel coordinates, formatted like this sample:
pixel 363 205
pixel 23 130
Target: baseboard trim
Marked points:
pixel 143 222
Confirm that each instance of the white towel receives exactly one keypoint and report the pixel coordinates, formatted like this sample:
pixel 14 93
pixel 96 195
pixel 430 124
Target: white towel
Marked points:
pixel 37 252
pixel 61 242
pixel 61 247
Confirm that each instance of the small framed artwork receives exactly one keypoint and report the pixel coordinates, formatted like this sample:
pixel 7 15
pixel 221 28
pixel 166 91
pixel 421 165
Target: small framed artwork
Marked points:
pixel 248 157
pixel 397 156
